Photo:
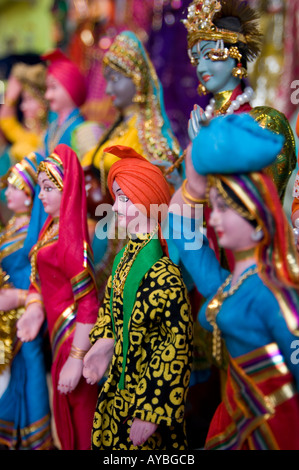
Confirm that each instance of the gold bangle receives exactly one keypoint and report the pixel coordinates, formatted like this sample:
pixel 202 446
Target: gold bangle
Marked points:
pixel 187 195
pixel 77 353
pixel 186 200
pixel 33 301
pixel 22 294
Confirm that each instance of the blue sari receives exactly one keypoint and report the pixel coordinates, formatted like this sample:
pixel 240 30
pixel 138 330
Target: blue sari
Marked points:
pixel 24 405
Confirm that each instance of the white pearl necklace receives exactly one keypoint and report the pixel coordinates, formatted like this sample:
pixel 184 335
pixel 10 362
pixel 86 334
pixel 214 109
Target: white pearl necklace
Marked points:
pixel 245 97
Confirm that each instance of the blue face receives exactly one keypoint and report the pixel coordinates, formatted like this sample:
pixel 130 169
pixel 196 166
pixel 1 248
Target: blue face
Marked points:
pixel 216 76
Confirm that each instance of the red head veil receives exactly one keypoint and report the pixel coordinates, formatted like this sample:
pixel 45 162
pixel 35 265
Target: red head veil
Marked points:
pixel 68 74
pixel 142 182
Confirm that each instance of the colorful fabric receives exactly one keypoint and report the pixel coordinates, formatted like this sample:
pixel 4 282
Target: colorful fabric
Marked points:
pixel 68 75
pixel 22 140
pixel 62 329
pixel 260 408
pixel 25 421
pixel 158 361
pixel 52 166
pixel 148 256
pixel 23 175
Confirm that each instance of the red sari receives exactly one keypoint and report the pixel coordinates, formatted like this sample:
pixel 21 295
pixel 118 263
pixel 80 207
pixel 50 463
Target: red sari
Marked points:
pixel 64 278
pixel 260 407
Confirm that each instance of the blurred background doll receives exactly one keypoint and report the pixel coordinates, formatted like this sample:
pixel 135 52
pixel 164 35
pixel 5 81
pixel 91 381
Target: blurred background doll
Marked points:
pixel 24 401
pixel 62 287
pixel 66 90
pixel 24 113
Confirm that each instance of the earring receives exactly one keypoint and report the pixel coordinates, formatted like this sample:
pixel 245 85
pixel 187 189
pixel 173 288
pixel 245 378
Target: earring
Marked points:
pixel 27 203
pixel 201 90
pixel 239 71
pixel 257 235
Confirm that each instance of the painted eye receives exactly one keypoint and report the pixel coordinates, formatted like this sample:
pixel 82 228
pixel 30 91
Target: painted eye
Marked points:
pixel 123 198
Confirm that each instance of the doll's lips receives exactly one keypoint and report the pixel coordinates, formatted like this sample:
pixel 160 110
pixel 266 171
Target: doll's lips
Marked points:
pixel 206 77
pixel 220 233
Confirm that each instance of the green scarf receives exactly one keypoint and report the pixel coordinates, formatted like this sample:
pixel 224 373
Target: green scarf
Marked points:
pixel 148 256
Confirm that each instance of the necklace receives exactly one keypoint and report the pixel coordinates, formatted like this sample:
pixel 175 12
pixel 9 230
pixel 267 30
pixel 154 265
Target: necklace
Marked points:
pixel 244 254
pixel 119 282
pixel 15 233
pixel 56 131
pixel 230 106
pixel 214 307
pixel 50 235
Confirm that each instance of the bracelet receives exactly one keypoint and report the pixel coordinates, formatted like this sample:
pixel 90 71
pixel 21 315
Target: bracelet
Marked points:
pixel 33 301
pixel 22 295
pixel 10 103
pixel 187 195
pixel 186 200
pixel 77 353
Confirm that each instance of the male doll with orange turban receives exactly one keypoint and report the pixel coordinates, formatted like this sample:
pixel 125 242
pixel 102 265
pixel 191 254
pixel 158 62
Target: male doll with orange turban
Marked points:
pixel 144 326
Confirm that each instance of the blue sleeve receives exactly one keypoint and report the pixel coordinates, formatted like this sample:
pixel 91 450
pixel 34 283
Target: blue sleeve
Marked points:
pixel 196 255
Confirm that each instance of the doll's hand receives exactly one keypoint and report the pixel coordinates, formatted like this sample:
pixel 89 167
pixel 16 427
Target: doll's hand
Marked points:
pixel 196 183
pixel 30 323
pixel 97 359
pixel 197 119
pixel 13 90
pixel 9 298
pixel 141 431
pixel 70 375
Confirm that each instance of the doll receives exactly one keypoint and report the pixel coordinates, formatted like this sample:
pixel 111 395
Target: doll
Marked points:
pixel 25 421
pixel 27 84
pixel 223 36
pixel 62 289
pixel 144 326
pixel 252 312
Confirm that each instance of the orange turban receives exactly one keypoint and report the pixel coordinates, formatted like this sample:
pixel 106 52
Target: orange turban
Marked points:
pixel 141 181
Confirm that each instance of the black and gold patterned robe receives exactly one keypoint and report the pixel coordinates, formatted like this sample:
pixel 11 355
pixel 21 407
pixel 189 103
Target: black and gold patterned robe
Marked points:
pixel 158 362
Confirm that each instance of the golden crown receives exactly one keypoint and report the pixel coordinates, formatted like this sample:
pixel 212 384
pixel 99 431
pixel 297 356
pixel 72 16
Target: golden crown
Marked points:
pixel 200 26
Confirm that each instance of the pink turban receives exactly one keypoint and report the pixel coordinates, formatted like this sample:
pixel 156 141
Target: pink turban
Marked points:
pixel 68 75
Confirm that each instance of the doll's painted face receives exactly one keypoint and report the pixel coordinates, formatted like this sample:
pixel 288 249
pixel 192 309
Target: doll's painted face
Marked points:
pixel 30 106
pixel 128 214
pixel 49 195
pixel 16 199
pixel 216 76
pixel 234 231
pixel 57 96
pixel 121 88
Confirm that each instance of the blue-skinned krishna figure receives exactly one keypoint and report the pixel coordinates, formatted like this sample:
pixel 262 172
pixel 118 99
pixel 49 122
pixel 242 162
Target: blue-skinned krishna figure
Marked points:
pixel 223 36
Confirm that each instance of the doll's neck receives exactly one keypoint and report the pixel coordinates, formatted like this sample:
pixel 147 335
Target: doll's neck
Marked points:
pixel 243 259
pixel 62 115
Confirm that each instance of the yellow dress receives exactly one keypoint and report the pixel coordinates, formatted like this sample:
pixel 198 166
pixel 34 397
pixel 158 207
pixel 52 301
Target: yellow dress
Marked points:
pixel 23 141
pixel 124 134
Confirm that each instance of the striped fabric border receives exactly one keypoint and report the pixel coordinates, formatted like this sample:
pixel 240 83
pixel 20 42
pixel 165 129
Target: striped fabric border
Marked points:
pixel 63 328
